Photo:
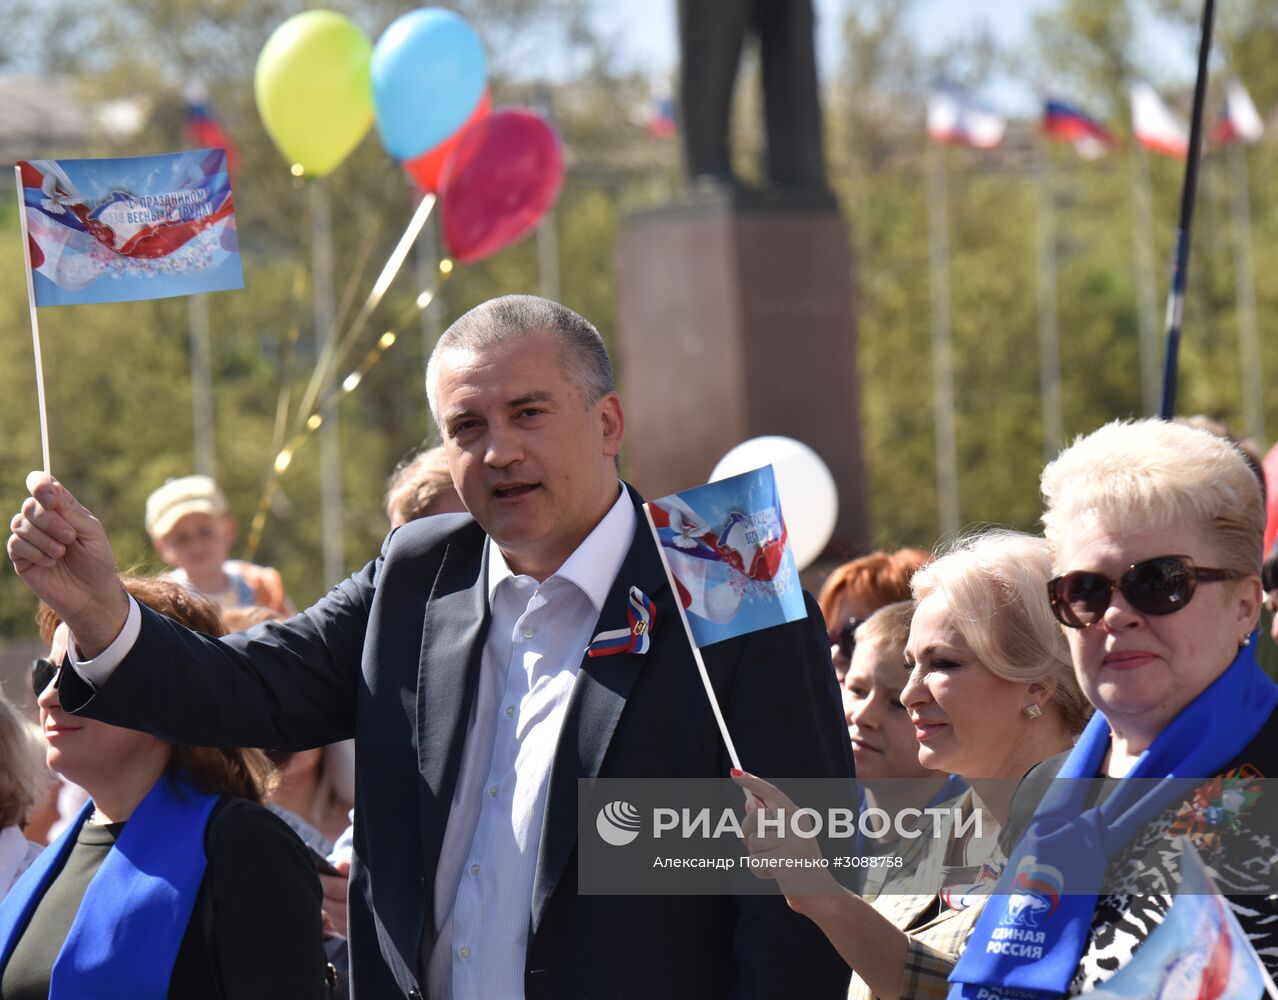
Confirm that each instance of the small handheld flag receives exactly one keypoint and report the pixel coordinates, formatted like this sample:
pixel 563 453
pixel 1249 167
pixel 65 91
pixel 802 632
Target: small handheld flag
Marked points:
pixel 1198 949
pixel 723 546
pixel 144 227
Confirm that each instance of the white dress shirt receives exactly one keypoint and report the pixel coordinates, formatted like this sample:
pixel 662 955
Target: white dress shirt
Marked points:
pixel 488 859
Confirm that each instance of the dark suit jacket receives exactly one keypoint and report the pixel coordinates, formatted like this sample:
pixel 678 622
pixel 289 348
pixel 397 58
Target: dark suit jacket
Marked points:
pixel 392 656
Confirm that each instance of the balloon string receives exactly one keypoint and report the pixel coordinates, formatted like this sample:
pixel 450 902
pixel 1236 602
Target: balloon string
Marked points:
pixel 315 419
pixel 332 357
pixel 289 362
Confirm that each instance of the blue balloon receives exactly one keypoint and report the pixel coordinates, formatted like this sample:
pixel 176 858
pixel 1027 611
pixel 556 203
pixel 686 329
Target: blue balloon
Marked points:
pixel 429 73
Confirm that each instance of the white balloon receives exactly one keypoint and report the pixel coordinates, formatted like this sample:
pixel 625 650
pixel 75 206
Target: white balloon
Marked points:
pixel 809 498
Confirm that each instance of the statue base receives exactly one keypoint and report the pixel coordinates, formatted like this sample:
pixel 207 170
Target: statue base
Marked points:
pixel 737 320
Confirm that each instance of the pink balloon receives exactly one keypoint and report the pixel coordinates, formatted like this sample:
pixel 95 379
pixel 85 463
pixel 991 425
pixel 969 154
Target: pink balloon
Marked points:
pixel 504 175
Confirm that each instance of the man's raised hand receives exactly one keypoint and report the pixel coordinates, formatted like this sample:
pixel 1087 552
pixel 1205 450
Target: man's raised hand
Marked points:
pixel 62 553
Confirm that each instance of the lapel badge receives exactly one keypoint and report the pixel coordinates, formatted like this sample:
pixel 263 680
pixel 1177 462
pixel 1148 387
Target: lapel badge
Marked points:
pixel 634 639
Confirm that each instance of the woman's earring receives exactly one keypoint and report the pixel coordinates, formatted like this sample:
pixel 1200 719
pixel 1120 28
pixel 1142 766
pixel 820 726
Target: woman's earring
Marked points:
pixel 1033 711
pixel 1245 641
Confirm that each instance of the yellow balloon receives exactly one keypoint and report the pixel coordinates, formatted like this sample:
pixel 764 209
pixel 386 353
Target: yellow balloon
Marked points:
pixel 313 89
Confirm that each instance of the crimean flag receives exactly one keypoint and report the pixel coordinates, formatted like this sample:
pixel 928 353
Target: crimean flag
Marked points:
pixel 144 227
pixel 1156 126
pixel 725 549
pixel 1240 121
pixel 955 117
pixel 1069 123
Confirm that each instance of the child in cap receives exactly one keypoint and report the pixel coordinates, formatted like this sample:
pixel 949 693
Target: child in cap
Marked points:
pixel 190 528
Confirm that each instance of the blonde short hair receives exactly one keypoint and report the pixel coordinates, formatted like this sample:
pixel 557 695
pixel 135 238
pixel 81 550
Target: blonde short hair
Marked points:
pixel 23 776
pixel 1146 475
pixel 888 627
pixel 995 584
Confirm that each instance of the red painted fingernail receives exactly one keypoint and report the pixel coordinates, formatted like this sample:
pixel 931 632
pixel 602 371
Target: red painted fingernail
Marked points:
pixel 736 772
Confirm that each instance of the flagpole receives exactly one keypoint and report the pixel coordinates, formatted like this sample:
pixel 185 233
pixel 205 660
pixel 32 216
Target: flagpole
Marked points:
pixel 696 651
pixel 1245 284
pixel 35 323
pixel 548 257
pixel 197 313
pixel 1143 232
pixel 942 344
pixel 1048 331
pixel 1184 229
pixel 330 446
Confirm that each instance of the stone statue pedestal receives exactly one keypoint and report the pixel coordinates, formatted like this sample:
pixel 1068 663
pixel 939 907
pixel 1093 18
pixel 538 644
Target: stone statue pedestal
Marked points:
pixel 737 320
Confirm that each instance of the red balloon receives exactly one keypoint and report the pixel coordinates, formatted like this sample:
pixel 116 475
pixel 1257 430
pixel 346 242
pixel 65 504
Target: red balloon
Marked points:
pixel 425 170
pixel 502 178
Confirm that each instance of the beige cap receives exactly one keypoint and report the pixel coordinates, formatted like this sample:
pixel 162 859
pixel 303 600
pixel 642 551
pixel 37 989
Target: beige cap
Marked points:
pixel 179 497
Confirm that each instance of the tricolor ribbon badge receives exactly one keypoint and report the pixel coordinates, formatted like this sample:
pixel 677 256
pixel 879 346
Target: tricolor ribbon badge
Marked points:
pixel 634 639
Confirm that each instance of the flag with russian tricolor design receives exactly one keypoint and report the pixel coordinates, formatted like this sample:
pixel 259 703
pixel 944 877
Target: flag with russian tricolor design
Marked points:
pixel 1068 122
pixel 1240 122
pixel 116 230
pixel 1156 126
pixel 724 548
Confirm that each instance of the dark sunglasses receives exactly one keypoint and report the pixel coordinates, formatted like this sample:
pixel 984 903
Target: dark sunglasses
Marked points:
pixel 845 638
pixel 1158 586
pixel 42 674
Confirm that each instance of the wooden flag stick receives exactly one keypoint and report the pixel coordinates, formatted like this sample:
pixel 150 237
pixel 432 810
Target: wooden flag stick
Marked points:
pixel 35 323
pixel 696 652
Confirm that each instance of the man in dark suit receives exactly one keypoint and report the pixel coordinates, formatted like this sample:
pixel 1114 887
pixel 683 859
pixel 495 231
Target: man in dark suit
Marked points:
pixel 455 660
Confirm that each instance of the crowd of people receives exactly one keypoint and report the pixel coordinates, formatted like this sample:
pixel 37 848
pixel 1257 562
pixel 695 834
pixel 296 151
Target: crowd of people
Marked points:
pixel 1093 692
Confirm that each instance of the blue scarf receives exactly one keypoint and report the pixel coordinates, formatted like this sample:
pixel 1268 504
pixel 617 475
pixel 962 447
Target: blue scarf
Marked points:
pixel 127 932
pixel 1028 940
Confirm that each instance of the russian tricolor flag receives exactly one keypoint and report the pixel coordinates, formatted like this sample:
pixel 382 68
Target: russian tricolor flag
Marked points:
pixel 955 117
pixel 1156 126
pixel 205 130
pixel 1241 121
pixel 1069 123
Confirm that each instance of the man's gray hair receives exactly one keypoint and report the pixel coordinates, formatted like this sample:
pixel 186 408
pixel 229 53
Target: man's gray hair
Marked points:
pixel 505 319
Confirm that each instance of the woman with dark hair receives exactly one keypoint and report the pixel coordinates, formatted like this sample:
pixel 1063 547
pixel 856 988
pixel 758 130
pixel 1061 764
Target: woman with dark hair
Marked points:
pixel 173 881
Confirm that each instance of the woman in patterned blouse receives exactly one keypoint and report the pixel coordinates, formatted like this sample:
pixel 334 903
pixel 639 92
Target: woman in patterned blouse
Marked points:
pixel 1156 532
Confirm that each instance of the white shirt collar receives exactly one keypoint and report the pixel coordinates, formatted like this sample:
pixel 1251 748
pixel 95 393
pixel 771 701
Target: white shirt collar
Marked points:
pixel 13 851
pixel 594 564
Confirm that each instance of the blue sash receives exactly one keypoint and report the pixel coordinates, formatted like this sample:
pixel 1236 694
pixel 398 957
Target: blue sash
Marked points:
pixel 127 932
pixel 1028 940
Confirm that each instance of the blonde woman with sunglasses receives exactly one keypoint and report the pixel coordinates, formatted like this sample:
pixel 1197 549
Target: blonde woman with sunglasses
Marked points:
pixel 1156 532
